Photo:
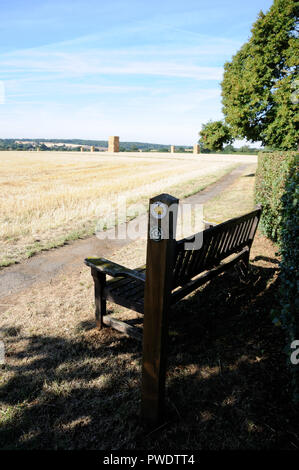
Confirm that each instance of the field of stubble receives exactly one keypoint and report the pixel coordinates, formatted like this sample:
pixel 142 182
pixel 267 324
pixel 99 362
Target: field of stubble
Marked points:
pixel 49 198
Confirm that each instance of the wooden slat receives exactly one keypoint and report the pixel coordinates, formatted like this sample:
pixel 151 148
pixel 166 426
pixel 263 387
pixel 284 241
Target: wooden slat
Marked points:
pixel 211 258
pixel 192 262
pixel 126 288
pixel 105 266
pixel 224 241
pixel 184 266
pixel 131 304
pixel 240 238
pixel 123 327
pixel 248 231
pixel 202 254
pixel 228 240
pixel 234 234
pixel 219 242
pixel 194 284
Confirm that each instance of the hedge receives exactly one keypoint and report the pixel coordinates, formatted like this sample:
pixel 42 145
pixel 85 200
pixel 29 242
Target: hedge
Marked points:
pixel 277 189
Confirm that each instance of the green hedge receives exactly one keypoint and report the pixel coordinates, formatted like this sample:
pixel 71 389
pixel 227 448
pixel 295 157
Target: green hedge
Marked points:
pixel 277 189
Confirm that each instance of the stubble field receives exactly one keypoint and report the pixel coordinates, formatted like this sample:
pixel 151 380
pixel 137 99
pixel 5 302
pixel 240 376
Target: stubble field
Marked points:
pixel 49 198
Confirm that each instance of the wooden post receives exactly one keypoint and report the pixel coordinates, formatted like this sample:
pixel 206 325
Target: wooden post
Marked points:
pixel 99 294
pixel 159 271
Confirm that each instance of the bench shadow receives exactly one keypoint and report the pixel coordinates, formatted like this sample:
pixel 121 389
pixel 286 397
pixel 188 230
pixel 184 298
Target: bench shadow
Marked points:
pixel 267 259
pixel 226 384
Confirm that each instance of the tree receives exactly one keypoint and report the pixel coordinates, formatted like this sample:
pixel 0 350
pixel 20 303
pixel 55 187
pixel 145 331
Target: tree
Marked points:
pixel 258 94
pixel 214 135
pixel 229 149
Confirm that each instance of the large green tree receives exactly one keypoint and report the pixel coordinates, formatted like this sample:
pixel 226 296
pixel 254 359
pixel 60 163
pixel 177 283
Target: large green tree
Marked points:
pixel 259 84
pixel 214 134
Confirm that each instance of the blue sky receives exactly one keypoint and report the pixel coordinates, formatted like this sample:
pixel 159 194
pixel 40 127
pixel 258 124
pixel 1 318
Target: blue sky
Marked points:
pixel 144 70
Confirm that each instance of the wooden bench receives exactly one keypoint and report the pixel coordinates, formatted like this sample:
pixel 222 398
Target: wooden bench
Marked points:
pixel 172 271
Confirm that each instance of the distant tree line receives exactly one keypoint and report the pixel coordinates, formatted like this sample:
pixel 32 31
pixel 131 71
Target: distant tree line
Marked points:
pixel 23 145
pixel 245 149
pixel 32 144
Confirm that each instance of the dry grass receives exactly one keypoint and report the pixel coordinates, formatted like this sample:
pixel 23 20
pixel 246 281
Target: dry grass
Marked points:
pixel 234 201
pixel 67 386
pixel 47 198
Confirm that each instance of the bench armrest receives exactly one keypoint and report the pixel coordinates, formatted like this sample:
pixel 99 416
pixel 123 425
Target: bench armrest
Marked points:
pixel 113 269
pixel 209 224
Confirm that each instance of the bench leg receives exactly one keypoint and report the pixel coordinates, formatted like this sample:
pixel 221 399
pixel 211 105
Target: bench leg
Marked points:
pixel 100 301
pixel 244 266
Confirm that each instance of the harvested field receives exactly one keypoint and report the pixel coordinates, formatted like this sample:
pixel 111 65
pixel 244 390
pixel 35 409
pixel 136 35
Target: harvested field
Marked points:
pixel 48 198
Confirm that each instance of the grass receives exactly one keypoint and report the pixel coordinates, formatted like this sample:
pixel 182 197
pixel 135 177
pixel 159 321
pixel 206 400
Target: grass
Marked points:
pixel 234 201
pixel 48 199
pixel 67 386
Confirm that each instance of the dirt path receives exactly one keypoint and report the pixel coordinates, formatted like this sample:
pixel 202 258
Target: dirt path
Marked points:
pixel 48 264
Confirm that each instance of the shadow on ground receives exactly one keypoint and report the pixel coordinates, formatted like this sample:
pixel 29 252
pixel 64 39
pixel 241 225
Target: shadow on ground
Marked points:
pixel 227 385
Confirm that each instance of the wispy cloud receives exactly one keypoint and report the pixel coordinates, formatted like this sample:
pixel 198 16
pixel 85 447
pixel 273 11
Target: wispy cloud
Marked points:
pixel 143 70
pixel 112 63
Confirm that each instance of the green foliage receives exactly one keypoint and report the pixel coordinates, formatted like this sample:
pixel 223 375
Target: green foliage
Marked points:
pixel 270 180
pixel 229 149
pixel 277 188
pixel 214 135
pixel 203 148
pixel 258 87
pixel 271 176
pixel 289 250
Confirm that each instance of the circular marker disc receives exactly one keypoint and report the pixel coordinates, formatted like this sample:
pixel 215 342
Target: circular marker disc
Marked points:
pixel 158 210
pixel 156 234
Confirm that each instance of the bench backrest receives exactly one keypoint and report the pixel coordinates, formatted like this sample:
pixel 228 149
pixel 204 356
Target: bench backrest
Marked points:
pixel 219 242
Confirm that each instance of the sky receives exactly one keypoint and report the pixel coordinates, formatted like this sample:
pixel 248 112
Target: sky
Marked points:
pixel 148 71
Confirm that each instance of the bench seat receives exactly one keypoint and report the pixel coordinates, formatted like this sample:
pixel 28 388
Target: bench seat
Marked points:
pixel 127 291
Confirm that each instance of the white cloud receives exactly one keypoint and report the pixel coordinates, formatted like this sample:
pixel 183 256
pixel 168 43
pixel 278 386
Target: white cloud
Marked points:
pixel 74 65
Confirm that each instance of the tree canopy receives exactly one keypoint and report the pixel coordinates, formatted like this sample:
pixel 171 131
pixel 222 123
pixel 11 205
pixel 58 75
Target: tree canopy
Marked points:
pixel 259 84
pixel 214 134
